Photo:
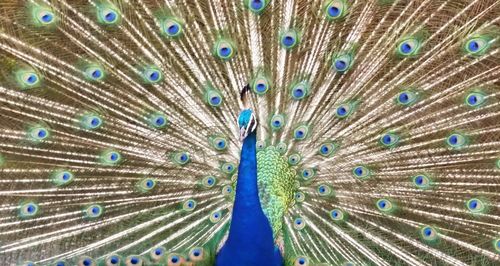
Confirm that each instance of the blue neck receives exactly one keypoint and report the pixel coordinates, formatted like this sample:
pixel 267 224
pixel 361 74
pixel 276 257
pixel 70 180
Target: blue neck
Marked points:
pixel 250 235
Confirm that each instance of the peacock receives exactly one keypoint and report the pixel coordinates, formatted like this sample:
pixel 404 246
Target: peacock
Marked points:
pixel 249 132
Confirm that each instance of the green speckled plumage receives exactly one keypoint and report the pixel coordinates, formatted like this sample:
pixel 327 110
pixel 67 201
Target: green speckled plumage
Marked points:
pixel 277 186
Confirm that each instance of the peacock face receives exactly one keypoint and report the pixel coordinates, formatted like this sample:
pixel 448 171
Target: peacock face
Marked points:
pixel 247 123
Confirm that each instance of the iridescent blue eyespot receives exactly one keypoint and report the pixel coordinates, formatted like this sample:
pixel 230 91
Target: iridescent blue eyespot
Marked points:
pixel 476 206
pixel 224 49
pixel 301 261
pixel 171 27
pixel 389 140
pixel 196 254
pixel 86 261
pixel 361 172
pixel 43 16
pixel 299 223
pixel 327 149
pixel 301 132
pixel 180 158
pixel 477 45
pixel 342 62
pixel 93 211
pixel 408 47
pixel 336 9
pixel 324 190
pixel 28 209
pixel 294 159
pixel 189 205
pixel 307 174
pixel 152 75
pixel 215 216
pixel 38 134
pixel 257 6
pixel 344 110
pixel 108 14
pixel 289 39
pixel 228 168
pixel 456 141
pixel 385 205
pixel 300 90
pixel 475 99
pixel 113 260
pixel 421 181
pixel 428 233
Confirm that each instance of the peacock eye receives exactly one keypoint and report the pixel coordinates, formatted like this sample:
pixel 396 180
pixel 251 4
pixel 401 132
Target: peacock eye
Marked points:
pixel 90 121
pixel 476 206
pixel 227 190
pixel 134 260
pixel 299 197
pixel 496 244
pixel 277 121
pixel 110 157
pixel 406 98
pixel 282 148
pixel 181 158
pixel 477 45
pixel 93 211
pixel 228 168
pixel 421 181
pixel 256 6
pixel 299 223
pixel 44 16
pixel 175 259
pixel 215 216
pixel 146 185
pixel 289 39
pixel 209 181
pixel 62 177
pixel 475 99
pixel 196 254
pixel 344 110
pixel 152 75
pixel 213 98
pixel 94 73
pixel 261 85
pixel 260 145
pixel 300 90
pixel 336 9
pixel 28 209
pixel 171 27
pixel 337 215
pixel 428 233
pixel 37 134
pixel 301 132
pixel 342 63
pixel 327 149
pixel 308 173
pixel 189 205
pixel 157 120
pixel 108 15
pixel 113 260
pixel 324 190
pixel 28 79
pixel 385 205
pixel 86 261
pixel 456 141
pixel 361 172
pixel 294 159
pixel 408 47
pixel 301 261
pixel 389 140
pixel 224 49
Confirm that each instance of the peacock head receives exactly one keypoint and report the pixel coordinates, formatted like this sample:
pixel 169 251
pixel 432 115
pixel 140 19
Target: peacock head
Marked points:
pixel 247 123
